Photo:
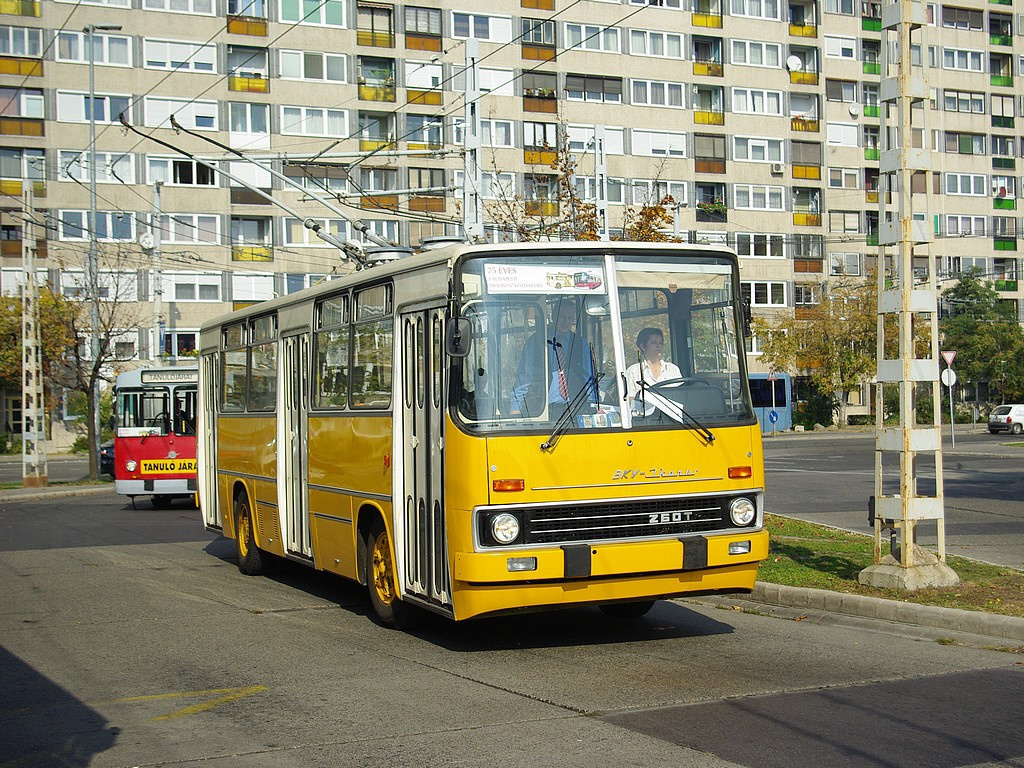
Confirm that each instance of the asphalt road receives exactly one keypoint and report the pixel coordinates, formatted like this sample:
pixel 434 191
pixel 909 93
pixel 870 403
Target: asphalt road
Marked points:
pixel 828 479
pixel 128 637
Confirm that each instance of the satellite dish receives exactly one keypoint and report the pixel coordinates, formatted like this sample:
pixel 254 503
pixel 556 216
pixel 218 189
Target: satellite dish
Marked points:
pixel 794 64
pixel 854 109
pixel 146 240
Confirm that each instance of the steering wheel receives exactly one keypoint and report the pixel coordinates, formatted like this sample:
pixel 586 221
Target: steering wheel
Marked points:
pixel 686 382
pixel 159 420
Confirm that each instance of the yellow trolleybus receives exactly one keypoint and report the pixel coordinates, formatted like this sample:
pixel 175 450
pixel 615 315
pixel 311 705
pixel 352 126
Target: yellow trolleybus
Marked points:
pixel 411 427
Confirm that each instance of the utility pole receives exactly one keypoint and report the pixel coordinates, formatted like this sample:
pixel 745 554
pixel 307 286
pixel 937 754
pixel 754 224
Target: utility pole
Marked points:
pixel 904 307
pixel 601 181
pixel 158 286
pixel 472 202
pixel 33 409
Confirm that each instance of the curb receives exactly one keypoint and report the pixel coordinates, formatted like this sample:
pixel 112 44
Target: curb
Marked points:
pixel 54 493
pixel 953 619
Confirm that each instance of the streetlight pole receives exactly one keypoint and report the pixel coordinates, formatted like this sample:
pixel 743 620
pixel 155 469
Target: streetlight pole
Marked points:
pixel 92 265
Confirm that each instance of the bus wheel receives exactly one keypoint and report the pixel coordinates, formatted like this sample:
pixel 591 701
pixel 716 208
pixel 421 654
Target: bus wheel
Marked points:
pixel 161 501
pixel 627 610
pixel 250 559
pixel 380 581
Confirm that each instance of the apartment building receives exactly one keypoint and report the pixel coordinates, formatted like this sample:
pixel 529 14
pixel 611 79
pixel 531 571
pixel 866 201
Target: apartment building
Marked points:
pixel 761 118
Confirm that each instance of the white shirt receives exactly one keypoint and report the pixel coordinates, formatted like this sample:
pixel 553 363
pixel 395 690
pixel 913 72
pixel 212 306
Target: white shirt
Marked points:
pixel 668 371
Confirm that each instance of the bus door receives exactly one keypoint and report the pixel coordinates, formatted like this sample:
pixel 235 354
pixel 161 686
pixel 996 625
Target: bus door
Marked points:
pixel 425 545
pixel 207 444
pixel 291 475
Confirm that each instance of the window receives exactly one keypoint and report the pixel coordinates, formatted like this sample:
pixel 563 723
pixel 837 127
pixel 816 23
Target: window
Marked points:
pixel 965 226
pixel 964 143
pixel 841 90
pixel 111 167
pixel 590 37
pixel 254 8
pixel 840 47
pixel 422 21
pixel 606 90
pixel 183 172
pixel 331 342
pixel 1004 186
pixel 643 42
pixel 249 117
pixel 110 225
pixel 326 13
pixel 296 232
pixel 586 189
pixel 752 53
pixel 373 352
pixel 201 115
pixel 756 102
pixel 656 93
pixel 187 57
pixel 843 178
pixel 841 134
pixel 313 65
pixel 763 293
pixel 805 153
pixel 844 264
pixel 658 143
pixel 963 101
pixel 204 7
pixel 498 186
pixel 806 294
pixel 110 285
pixel 540 135
pixel 110 50
pixel 74 107
pixel 758 197
pixel 499 82
pixel 965 184
pixel 760 246
pixel 754 150
pixel 493 133
pixel 581 139
pixel 844 221
pixel 495 29
pixel 424 129
pixel 537 32
pixel 758 9
pixel 262 368
pixel 189 228
pixel 1002 106
pixel 423 76
pixel 961 59
pixel 191 286
pixel 652 192
pixel 962 18
pixel 844 7
pixel 314 121
pixel 21 41
pixel 19 164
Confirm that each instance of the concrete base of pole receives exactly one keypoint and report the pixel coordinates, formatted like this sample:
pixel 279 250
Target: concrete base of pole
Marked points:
pixel 927 571
pixel 35 481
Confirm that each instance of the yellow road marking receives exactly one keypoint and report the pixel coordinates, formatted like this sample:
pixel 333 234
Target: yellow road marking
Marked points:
pixel 221 696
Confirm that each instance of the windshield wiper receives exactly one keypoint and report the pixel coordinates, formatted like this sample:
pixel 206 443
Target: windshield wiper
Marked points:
pixel 675 409
pixel 571 409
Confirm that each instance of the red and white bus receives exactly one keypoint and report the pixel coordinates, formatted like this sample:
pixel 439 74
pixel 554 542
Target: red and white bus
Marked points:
pixel 155 435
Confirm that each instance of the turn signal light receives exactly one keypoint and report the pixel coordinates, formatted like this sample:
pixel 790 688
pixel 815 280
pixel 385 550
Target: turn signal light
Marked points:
pixel 738 473
pixel 508 485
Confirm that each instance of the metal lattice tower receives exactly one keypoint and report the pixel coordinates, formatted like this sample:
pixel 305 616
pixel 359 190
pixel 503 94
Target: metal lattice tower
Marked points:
pixel 33 412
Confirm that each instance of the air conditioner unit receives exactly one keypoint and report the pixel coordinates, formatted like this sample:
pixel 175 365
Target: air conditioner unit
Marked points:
pixel 778 169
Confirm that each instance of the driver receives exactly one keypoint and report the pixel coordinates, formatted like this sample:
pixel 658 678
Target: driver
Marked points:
pixel 651 368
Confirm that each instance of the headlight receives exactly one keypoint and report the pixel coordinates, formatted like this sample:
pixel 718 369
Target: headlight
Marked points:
pixel 130 465
pixel 742 511
pixel 505 528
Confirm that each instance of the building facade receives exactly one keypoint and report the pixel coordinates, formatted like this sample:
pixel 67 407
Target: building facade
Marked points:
pixel 761 118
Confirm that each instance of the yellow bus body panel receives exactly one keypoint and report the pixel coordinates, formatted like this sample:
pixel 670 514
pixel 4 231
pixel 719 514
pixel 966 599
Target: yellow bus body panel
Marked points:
pixel 247 455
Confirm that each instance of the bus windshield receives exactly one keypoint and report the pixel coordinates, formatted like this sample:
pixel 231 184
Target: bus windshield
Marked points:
pixel 634 340
pixel 150 411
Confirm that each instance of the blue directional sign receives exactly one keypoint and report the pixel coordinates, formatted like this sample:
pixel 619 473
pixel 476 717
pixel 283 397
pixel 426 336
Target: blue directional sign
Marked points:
pixel 773 417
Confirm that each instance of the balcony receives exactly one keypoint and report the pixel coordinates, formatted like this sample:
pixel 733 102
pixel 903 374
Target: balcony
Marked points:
pixel 377 145
pixel 417 42
pixel 382 91
pixel 15 65
pixel 431 98
pixel 1001 2
pixel 534 52
pixel 540 156
pixel 249 84
pixel 539 5
pixel 806 218
pixel 540 100
pixel 804 124
pixel 254 26
pixel 708 68
pixel 541 207
pixel 807 172
pixel 803 30
pixel 20 7
pixel 379 202
pixel 427 203
pixel 242 252
pixel 712 211
pixel 1004 203
pixel 708 117
pixel 1001 81
pixel 21 126
pixel 375 39
pixel 1005 244
pixel 1000 121
pixel 871 196
pixel 14 188
pixel 872 110
pixel 871 153
pixel 808 265
pixel 709 165
pixel 803 78
pixel 871 24
pixel 872 68
pixel 1000 40
pixel 12 248
pixel 1003 163
pixel 707 20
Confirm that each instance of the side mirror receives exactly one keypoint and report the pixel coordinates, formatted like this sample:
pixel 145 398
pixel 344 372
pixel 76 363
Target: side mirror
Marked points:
pixel 112 423
pixel 459 336
pixel 746 319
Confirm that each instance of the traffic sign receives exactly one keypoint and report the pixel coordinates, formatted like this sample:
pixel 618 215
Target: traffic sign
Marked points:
pixel 948 357
pixel 772 376
pixel 948 377
pixel 773 417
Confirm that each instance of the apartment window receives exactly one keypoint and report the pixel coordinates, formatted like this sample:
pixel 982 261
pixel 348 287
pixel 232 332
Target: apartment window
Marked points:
pixel 972 184
pixel 111 286
pixel 187 57
pixel 424 129
pixel 962 18
pixel 652 191
pixel 840 47
pixel 296 232
pixel 422 21
pixel 1003 146
pixel 757 150
pixel 803 105
pixel 757 9
pixel 644 42
pixel 1004 186
pixel 805 153
pixel 111 50
pixel 586 189
pixel 841 134
pixel 659 143
pixel 250 231
pixel 21 41
pixel 843 178
pixel 581 139
pixel 962 59
pixel 180 173
pixel 497 186
pixel 844 7
pixel 427 181
pixel 656 93
pixel 758 197
pixel 1002 106
pixel 806 294
pixel 498 82
pixel 28 164
pixel 763 293
pixel 844 264
pixel 319 178
pixel 660 3
pixel 965 226
pixel 189 228
pixel 755 245
pixel 422 75
pixel 752 53
pixel 964 143
pixel 495 29
pixel 841 90
pixel 314 121
pixel 327 13
pixel 378 179
pixel 493 133
pixel 844 221
pixel 254 8
pixel 540 135
pixel 963 101
pixel 110 225
pixel 590 37
pixel 537 32
pixel 606 90
pixel 709 153
pixel 74 107
pixel 752 101
pixel 249 117
pixel 313 65
pixel 111 167
pixel 201 115
pixel 202 7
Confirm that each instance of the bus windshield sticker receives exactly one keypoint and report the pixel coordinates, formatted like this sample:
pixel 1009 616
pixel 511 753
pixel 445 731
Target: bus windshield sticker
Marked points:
pixel 545 279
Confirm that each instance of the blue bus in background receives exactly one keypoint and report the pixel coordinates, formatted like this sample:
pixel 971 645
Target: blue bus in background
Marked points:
pixel 761 395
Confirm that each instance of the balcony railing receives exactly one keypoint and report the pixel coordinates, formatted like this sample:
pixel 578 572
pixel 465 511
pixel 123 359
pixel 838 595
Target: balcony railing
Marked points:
pixel 1002 121
pixel 540 156
pixel 375 39
pixel 1005 244
pixel 15 65
pixel 872 110
pixel 709 165
pixel 12 248
pixel 1001 81
pixel 811 265
pixel 249 84
pixel 427 203
pixel 254 26
pixel 14 187
pixel 708 20
pixel 21 126
pixel 803 78
pixel 415 42
pixel 1000 40
pixel 708 117
pixel 872 68
pixel 547 104
pixel 807 172
pixel 540 5
pixel 871 153
pixel 383 202
pixel 20 7
pixel 869 24
pixel 803 30
pixel 1004 203
pixel 1004 163
pixel 377 145
pixel 432 98
pixel 252 253
pixel 1006 285
pixel 804 124
pixel 806 219
pixel 533 52
pixel 708 68
pixel 377 92
pixel 541 207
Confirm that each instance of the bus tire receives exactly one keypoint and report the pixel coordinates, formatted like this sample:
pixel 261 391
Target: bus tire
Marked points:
pixel 161 501
pixel 250 559
pixel 627 610
pixel 389 609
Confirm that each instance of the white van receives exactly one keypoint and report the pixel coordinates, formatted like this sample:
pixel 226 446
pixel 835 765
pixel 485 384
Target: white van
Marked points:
pixel 1006 418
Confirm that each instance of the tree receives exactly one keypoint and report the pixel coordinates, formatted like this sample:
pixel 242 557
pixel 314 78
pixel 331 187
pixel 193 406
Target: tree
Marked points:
pixel 984 332
pixel 833 342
